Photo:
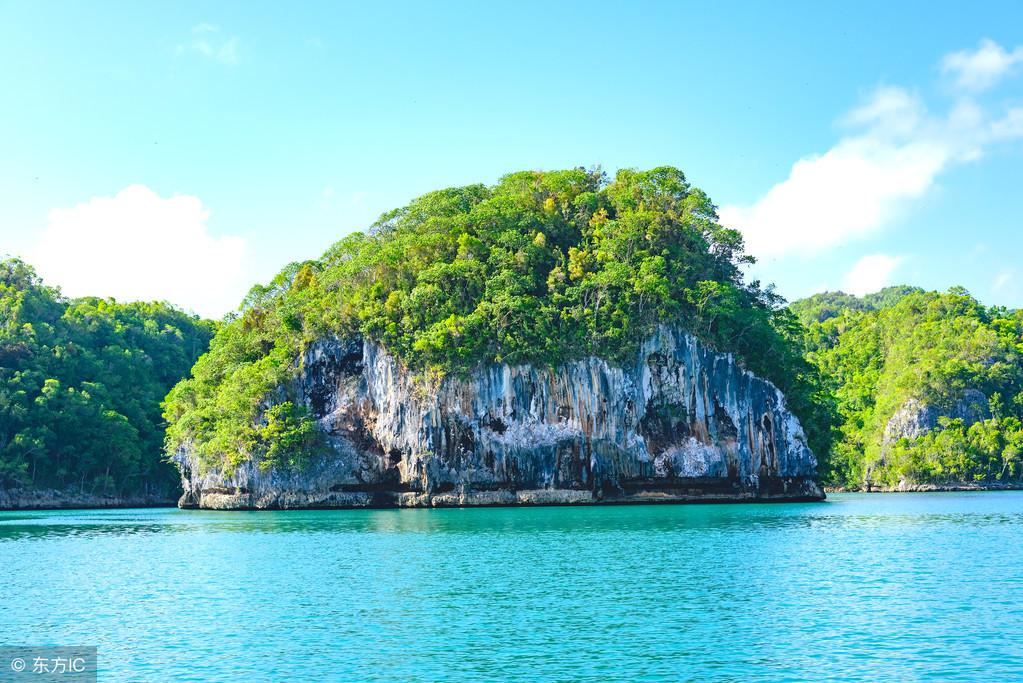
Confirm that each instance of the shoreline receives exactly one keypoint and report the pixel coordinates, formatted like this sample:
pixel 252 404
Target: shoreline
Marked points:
pixel 952 487
pixel 705 490
pixel 605 503
pixel 25 500
pixel 50 501
pixel 547 504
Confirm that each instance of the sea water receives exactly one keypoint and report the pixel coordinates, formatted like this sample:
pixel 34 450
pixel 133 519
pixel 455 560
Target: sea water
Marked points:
pixel 862 587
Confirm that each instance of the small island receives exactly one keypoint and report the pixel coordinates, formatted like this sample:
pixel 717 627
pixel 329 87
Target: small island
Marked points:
pixel 556 338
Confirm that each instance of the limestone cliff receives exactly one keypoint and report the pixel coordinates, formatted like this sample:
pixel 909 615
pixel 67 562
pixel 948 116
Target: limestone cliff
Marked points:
pixel 679 423
pixel 916 418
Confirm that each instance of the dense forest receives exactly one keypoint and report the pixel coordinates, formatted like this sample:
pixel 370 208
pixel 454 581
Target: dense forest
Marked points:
pixel 81 381
pixel 542 267
pixel 928 386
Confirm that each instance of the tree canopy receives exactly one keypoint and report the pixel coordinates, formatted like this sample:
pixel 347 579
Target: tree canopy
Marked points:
pixel 81 382
pixel 879 351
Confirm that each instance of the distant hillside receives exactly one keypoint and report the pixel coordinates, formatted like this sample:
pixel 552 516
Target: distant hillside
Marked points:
pixel 927 386
pixel 824 305
pixel 81 381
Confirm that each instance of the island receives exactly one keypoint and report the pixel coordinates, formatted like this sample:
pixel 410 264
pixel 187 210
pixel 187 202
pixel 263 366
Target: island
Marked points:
pixel 558 338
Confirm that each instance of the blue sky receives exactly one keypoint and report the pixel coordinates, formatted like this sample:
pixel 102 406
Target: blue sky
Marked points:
pixel 186 150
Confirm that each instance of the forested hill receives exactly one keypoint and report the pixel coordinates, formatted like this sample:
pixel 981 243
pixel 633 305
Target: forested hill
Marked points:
pixel 928 386
pixel 81 381
pixel 541 268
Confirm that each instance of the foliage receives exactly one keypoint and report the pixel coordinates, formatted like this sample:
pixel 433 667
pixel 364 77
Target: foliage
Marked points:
pixel 289 435
pixel 988 450
pixel 80 386
pixel 824 305
pixel 541 268
pixel 876 352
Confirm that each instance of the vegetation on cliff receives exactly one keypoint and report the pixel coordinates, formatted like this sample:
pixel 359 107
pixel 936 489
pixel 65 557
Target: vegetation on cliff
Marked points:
pixel 541 268
pixel 81 382
pixel 937 351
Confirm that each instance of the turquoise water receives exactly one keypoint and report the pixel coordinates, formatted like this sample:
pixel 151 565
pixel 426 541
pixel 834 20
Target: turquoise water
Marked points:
pixel 862 587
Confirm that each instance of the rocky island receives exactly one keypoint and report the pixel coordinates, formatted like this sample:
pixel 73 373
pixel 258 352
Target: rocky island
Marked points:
pixel 926 387
pixel 554 339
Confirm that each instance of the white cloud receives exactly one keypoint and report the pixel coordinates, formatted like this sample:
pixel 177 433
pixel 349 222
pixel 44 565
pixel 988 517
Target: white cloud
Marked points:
pixel 977 70
pixel 1010 126
pixel 1003 281
pixel 847 192
pixel 208 42
pixel 894 153
pixel 871 273
pixel 140 246
pixel 894 110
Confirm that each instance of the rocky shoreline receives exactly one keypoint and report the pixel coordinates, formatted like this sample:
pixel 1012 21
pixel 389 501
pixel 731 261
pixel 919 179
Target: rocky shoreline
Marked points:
pixel 51 499
pixel 951 487
pixel 794 489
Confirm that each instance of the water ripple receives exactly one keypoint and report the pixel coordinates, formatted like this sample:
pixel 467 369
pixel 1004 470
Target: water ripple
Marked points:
pixel 914 587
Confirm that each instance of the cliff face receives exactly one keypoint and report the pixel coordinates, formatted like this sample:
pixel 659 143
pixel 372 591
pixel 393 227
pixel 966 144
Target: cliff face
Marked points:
pixel 679 423
pixel 916 418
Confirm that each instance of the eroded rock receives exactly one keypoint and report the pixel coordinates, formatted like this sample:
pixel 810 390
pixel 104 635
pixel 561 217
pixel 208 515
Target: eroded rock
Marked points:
pixel 916 418
pixel 679 423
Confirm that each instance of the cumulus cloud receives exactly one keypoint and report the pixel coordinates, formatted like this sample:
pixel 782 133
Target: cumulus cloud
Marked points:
pixel 209 42
pixel 137 245
pixel 871 273
pixel 893 153
pixel 980 69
